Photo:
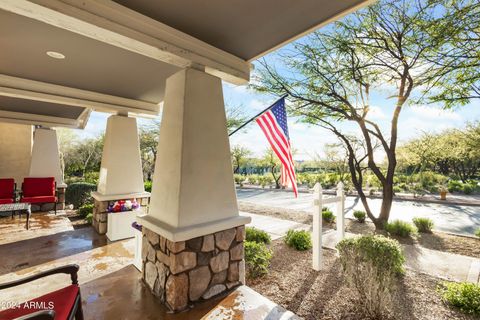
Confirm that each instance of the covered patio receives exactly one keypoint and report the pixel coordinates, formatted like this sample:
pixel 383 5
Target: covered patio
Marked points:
pixel 61 60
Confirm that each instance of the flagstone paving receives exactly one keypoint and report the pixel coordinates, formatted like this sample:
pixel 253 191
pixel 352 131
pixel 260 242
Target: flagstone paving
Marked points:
pixel 433 262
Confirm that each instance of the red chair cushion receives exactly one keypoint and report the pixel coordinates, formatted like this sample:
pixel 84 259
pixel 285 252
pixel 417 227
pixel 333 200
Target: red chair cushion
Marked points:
pixel 5 201
pixel 6 188
pixel 61 301
pixel 34 187
pixel 40 199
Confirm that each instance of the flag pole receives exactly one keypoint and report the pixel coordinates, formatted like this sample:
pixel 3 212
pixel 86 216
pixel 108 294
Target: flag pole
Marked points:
pixel 257 115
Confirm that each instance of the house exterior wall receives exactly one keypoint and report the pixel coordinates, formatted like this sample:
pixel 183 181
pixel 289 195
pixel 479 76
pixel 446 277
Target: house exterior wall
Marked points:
pixel 15 151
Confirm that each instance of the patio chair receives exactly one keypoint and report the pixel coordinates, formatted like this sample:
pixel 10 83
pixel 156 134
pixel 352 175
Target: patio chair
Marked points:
pixel 62 304
pixel 39 191
pixel 7 191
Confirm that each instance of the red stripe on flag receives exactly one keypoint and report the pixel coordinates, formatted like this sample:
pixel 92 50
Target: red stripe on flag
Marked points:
pixel 279 144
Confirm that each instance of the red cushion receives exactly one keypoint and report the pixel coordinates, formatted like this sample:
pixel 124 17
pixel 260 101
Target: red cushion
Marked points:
pixel 61 301
pixel 41 199
pixel 6 188
pixel 33 187
pixel 5 201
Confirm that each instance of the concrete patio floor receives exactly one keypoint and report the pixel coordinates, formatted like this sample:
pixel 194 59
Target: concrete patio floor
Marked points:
pixel 111 286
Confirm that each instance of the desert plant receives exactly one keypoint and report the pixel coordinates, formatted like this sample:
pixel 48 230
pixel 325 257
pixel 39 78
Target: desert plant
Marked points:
pixel 467 188
pixel 464 295
pixel 84 210
pixel 78 193
pixel 298 239
pixel 257 259
pixel 400 228
pixel 89 218
pixel 360 215
pixel 371 264
pixel 327 215
pixel 423 224
pixel 148 185
pixel 257 235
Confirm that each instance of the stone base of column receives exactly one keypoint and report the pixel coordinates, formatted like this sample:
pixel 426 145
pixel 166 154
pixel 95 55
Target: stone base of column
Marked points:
pixel 100 213
pixel 45 207
pixel 185 272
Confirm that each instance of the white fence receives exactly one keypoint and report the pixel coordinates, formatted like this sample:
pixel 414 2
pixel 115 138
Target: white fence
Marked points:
pixel 318 203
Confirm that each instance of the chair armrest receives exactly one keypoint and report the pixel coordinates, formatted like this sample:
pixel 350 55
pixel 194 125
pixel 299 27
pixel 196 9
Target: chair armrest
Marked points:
pixel 38 315
pixel 71 269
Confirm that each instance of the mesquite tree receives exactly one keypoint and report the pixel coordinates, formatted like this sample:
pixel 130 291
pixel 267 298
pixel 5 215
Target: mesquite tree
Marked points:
pixel 330 76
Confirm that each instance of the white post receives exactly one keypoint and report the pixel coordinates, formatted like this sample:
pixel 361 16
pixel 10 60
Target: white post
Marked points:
pixel 340 212
pixel 317 227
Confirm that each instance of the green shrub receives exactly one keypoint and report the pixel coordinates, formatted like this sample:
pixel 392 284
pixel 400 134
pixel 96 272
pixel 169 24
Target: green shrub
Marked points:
pixel 360 215
pixel 298 239
pixel 327 215
pixel 257 235
pixel 239 179
pixel 454 185
pixel 91 177
pixel 371 264
pixel 400 228
pixel 84 210
pixel 397 189
pixel 148 186
pixel 467 188
pixel 477 233
pixel 257 259
pixel 89 218
pixel 464 295
pixel 423 224
pixel 78 193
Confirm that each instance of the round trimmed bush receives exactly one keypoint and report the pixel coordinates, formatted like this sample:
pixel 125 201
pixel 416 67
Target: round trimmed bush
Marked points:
pixel 78 193
pixel 371 265
pixel 464 295
pixel 257 259
pixel 360 215
pixel 327 215
pixel 467 188
pixel 148 186
pixel 400 228
pixel 423 224
pixel 257 235
pixel 298 239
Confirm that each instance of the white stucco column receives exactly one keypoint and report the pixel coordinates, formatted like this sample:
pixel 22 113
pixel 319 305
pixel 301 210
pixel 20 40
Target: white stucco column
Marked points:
pixel 193 191
pixel 121 175
pixel 45 161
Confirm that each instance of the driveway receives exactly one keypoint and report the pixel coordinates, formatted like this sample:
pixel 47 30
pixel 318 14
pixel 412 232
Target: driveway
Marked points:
pixel 459 219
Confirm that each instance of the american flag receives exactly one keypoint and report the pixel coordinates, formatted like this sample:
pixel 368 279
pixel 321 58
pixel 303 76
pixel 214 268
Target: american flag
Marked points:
pixel 274 125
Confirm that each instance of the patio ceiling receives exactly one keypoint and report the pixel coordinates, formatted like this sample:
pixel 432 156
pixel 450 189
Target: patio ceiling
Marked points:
pixel 118 54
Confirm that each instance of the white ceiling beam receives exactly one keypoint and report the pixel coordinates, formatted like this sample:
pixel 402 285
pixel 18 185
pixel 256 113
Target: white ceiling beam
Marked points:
pixel 119 26
pixel 36 119
pixel 41 91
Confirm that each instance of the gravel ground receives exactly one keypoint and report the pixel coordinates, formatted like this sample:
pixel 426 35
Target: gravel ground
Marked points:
pixel 293 284
pixel 441 241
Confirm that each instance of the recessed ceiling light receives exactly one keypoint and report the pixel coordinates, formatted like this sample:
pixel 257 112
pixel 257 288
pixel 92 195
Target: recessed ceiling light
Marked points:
pixel 55 55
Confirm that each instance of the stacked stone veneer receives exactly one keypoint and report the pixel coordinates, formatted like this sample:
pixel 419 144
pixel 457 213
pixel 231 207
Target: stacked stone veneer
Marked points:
pixel 100 213
pixel 181 273
pixel 44 207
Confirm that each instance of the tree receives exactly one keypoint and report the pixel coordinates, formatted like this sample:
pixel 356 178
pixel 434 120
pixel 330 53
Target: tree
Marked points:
pixel 457 63
pixel 148 137
pixel 330 76
pixel 271 161
pixel 235 116
pixel 239 157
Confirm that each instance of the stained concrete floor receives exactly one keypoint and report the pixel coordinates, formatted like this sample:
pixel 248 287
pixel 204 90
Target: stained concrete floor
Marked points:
pixel 111 287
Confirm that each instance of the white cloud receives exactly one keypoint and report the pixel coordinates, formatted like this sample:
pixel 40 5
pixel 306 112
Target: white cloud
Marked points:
pixel 435 113
pixel 376 113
